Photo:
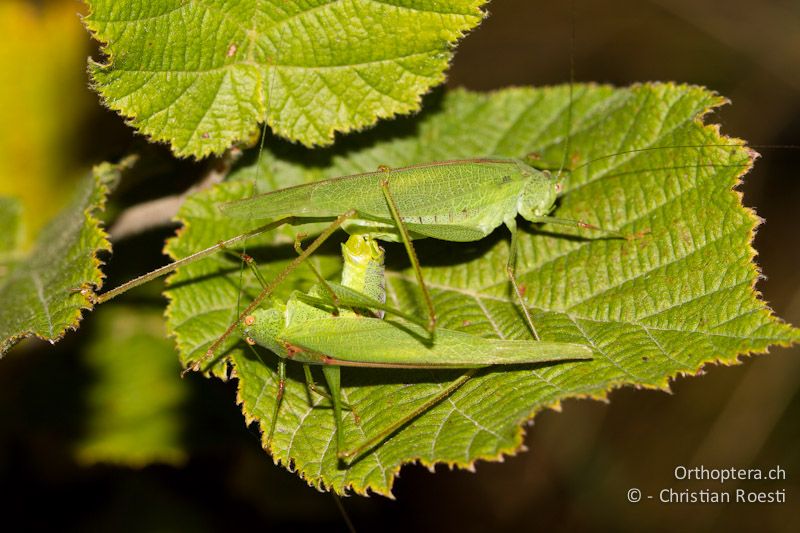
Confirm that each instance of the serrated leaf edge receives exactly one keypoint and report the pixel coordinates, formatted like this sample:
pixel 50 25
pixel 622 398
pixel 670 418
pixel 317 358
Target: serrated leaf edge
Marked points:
pixel 105 176
pixel 262 104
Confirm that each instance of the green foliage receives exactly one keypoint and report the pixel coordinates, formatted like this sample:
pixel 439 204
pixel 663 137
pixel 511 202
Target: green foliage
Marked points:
pixel 201 75
pixel 677 296
pixel 44 292
pixel 135 396
pixel 11 236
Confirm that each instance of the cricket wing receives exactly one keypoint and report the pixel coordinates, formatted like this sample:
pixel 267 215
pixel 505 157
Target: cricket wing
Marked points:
pixel 276 204
pixel 326 198
pixel 368 342
pixel 469 193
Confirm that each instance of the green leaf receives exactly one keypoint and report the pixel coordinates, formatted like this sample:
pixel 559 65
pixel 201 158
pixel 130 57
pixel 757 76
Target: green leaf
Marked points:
pixel 201 75
pixel 135 397
pixel 43 294
pixel 676 296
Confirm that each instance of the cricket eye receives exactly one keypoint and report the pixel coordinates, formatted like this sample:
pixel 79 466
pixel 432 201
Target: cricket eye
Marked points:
pixel 559 188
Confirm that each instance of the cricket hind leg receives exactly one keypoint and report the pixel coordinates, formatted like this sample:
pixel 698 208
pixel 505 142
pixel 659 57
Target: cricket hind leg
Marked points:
pixel 412 254
pixel 351 455
pixel 511 272
pixel 166 269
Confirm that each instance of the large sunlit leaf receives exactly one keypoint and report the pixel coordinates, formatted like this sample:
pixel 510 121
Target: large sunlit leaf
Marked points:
pixel 677 295
pixel 43 293
pixel 201 75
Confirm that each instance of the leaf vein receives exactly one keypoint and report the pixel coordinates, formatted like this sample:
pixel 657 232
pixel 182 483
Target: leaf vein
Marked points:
pixel 45 307
pixel 600 351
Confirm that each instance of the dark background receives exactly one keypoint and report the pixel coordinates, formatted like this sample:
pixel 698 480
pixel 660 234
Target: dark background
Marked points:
pixel 580 462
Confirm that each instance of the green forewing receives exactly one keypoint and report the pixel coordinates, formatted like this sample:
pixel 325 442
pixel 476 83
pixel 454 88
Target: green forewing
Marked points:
pixel 461 193
pixel 387 343
pixel 458 201
pixel 677 297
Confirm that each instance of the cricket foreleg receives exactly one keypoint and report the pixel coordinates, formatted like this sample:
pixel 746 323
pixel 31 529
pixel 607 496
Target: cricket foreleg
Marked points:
pixel 278 401
pixel 412 254
pixel 312 387
pixel 332 376
pixel 510 271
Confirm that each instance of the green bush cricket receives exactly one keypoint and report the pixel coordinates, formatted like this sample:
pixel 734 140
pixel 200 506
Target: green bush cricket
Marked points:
pixel 313 329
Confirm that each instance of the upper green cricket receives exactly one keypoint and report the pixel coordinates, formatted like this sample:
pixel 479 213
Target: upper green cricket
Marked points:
pixel 463 200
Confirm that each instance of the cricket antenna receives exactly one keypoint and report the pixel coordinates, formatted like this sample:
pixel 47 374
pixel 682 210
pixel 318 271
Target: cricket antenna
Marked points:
pixel 568 139
pixel 246 260
pixel 253 192
pixel 256 176
pixel 345 516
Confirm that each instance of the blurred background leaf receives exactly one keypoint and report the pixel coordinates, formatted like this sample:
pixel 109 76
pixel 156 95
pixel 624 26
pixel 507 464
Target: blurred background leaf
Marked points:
pixel 44 99
pixel 134 405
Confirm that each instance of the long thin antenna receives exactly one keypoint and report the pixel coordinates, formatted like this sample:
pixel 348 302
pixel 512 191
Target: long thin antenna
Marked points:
pixel 257 173
pixel 568 141
pixel 346 517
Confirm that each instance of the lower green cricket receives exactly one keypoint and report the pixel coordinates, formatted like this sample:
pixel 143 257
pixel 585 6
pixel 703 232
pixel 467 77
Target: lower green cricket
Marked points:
pixel 314 328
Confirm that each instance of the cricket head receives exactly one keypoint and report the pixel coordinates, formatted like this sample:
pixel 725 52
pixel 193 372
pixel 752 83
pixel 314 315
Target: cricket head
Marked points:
pixel 263 327
pixel 363 266
pixel 539 194
pixel 360 251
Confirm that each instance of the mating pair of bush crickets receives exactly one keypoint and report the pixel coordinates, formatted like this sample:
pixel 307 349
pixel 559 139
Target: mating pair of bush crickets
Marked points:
pixel 343 324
